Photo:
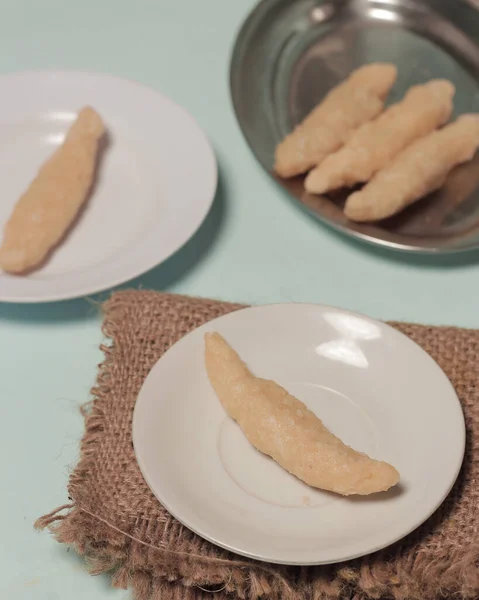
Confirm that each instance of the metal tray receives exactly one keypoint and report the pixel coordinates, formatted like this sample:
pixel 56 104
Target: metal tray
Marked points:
pixel 288 54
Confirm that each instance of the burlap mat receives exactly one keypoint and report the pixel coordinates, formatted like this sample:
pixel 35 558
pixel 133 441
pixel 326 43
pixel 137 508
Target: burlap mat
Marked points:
pixel 116 523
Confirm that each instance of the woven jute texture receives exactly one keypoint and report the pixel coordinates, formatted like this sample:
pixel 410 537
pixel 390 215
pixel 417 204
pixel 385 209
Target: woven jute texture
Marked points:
pixel 115 522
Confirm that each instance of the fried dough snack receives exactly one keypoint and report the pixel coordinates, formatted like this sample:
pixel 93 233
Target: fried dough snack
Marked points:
pixel 282 427
pixel 355 101
pixel 47 209
pixel 375 144
pixel 418 170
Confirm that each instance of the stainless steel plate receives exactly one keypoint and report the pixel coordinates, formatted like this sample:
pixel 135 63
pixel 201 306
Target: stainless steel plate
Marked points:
pixel 288 54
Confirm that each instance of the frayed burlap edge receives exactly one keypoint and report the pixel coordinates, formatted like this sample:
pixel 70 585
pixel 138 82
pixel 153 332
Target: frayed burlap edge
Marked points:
pixel 155 573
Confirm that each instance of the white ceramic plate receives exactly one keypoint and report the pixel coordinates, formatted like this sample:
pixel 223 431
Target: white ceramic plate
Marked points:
pixel 156 182
pixel 371 385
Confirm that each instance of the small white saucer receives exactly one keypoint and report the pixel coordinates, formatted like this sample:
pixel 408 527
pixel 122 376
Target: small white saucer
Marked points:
pixel 371 385
pixel 156 179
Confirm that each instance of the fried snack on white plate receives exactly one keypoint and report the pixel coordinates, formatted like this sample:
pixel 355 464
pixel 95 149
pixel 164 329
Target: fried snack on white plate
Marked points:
pixel 44 213
pixel 282 427
pixel 357 100
pixel 417 171
pixel 375 144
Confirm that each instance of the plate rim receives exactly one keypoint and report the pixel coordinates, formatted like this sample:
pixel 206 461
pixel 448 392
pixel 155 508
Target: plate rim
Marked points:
pixel 210 155
pixel 268 559
pixel 242 32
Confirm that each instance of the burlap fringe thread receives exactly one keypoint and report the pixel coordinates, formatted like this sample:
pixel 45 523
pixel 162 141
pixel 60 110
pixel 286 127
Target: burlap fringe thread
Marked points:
pixel 157 573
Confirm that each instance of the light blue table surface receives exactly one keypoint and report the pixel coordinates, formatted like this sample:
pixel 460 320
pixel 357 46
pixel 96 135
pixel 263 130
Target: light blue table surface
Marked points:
pixel 256 246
